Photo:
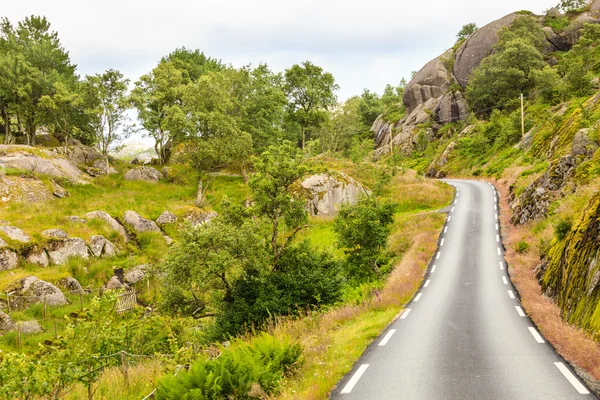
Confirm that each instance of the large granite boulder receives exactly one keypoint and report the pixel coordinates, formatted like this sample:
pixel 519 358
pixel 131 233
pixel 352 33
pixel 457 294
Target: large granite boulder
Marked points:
pixel 6 323
pixel 83 155
pixel 35 290
pixel 71 285
pixel 30 327
pixel 139 223
pixel 583 145
pixel 136 274
pixel 112 223
pixel 432 81
pixel 8 260
pixel 61 250
pixel 38 257
pixel 100 246
pixel 147 174
pixel 328 192
pixel 99 168
pixel 166 218
pixel 15 234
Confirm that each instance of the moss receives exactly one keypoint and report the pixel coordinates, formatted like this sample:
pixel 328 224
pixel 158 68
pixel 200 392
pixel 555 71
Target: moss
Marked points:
pixel 573 269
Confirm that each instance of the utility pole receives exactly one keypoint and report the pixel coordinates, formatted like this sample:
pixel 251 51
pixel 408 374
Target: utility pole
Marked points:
pixel 522 121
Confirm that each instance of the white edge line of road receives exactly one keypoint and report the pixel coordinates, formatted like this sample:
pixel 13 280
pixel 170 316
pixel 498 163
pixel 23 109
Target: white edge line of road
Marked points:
pixel 536 335
pixel 387 337
pixel 433 269
pixel 501 265
pixel 355 378
pixel 405 313
pixel 442 242
pixel 427 283
pixel 504 280
pixel 520 311
pixel 499 251
pixel 438 255
pixel 445 229
pixel 418 297
pixel 511 294
pixel 571 378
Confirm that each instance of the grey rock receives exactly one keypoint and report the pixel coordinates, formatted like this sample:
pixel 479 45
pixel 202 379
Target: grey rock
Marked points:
pixel 6 323
pixel 166 218
pixel 71 285
pixel 15 234
pixel 37 291
pixel 100 246
pixel 432 81
pixel 115 283
pixel 168 239
pixel 38 257
pixel 478 46
pixel 60 251
pixel 327 192
pixel 59 191
pixel 83 155
pixel 113 223
pixel 452 108
pixel 147 174
pixel 583 145
pixel 30 327
pixel 8 260
pixel 139 223
pixel 553 13
pixel 434 170
pixel 76 220
pixel 200 217
pixel 55 234
pixel 136 274
pixel 3 244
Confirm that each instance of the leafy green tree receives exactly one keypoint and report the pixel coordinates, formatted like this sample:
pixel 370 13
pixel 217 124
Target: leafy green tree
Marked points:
pixel 391 100
pixel 277 169
pixel 311 92
pixel 549 87
pixel 579 65
pixel 193 62
pixel 362 231
pixel 466 31
pixel 106 95
pixel 341 126
pixel 571 5
pixel 370 107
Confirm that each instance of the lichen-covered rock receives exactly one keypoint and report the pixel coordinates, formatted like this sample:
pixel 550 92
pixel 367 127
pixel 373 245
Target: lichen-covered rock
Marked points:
pixel 6 323
pixel 115 283
pixel 139 223
pixel 71 285
pixel 147 174
pixel 100 246
pixel 328 192
pixel 435 169
pixel 113 223
pixel 15 189
pixel 38 257
pixel 99 168
pixel 583 145
pixel 166 218
pixel 60 251
pixel 3 244
pixel 55 234
pixel 59 191
pixel 432 81
pixel 136 274
pixel 30 327
pixel 8 260
pixel 15 234
pixel 570 273
pixel 75 219
pixel 35 290
pixel 533 203
pixel 197 216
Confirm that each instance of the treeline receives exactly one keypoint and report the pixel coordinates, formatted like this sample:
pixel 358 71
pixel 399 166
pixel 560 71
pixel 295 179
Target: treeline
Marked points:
pixel 189 103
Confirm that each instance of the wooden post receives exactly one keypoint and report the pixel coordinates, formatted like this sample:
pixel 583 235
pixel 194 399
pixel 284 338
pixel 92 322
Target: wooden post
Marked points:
pixel 522 122
pixel 124 368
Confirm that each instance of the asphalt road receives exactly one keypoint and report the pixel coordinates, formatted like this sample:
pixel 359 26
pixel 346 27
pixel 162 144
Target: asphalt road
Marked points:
pixel 464 335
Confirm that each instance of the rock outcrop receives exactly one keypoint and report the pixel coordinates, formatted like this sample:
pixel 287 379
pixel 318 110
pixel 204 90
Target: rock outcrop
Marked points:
pixel 14 189
pixel 100 246
pixel 112 223
pixel 327 192
pixel 139 223
pixel 147 174
pixel 55 234
pixel 8 260
pixel 61 250
pixel 38 257
pixel 15 234
pixel 435 169
pixel 34 290
pixel 136 274
pixel 6 323
pixel 166 218
pixel 71 285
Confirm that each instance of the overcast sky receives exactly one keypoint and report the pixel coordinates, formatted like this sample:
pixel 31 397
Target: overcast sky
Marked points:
pixel 365 44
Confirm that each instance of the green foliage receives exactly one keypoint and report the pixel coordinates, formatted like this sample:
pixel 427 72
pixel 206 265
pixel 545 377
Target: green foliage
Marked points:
pixel 242 371
pixel 393 107
pixel 562 228
pixel 466 31
pixel 549 86
pixel 570 5
pixel 558 24
pixel 522 247
pixel 362 231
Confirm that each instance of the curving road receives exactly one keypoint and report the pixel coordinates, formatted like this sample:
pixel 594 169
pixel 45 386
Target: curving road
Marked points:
pixel 464 335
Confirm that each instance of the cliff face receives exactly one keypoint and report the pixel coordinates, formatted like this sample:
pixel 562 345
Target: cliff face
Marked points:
pixel 570 274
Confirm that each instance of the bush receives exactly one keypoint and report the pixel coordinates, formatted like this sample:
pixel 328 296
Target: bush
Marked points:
pixel 243 371
pixel 522 247
pixel 562 228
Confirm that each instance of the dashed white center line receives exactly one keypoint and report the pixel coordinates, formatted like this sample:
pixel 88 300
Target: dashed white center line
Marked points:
pixel 433 269
pixel 387 337
pixel 499 251
pixel 504 280
pixel 520 311
pixel 442 243
pixel 438 255
pixel 571 378
pixel 536 335
pixel 427 283
pixel 501 265
pixel 418 296
pixel 511 294
pixel 405 313
pixel 355 378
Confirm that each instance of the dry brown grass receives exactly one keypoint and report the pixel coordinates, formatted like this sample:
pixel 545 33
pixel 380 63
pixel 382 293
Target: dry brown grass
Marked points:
pixel 572 343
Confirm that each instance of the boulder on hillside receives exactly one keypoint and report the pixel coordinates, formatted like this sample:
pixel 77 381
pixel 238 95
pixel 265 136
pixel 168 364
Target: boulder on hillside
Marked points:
pixel 75 219
pixel 59 191
pixel 99 168
pixel 16 189
pixel 6 323
pixel 40 161
pixel 136 274
pixel 147 174
pixel 166 218
pixel 55 234
pixel 139 223
pixel 432 81
pixel 144 159
pixel 113 223
pixel 583 145
pixel 115 283
pixel 71 285
pixel 30 327
pixel 100 246
pixel 8 260
pixel 15 234
pixel 83 155
pixel 197 216
pixel 35 290
pixel 60 251
pixel 434 170
pixel 38 257
pixel 328 192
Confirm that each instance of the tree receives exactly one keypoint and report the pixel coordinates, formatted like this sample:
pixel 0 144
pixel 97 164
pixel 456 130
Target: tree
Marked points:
pixel 370 107
pixel 391 100
pixel 277 169
pixel 571 5
pixel 362 231
pixel 107 102
pixel 342 125
pixel 466 31
pixel 310 92
pixel 193 62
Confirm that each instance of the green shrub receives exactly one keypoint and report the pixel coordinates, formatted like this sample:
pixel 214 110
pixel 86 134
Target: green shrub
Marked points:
pixel 522 247
pixel 562 228
pixel 242 371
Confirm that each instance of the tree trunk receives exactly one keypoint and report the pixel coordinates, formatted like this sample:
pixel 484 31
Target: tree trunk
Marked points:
pixel 7 132
pixel 200 200
pixel 107 165
pixel 245 173
pixel 31 135
pixel 303 138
